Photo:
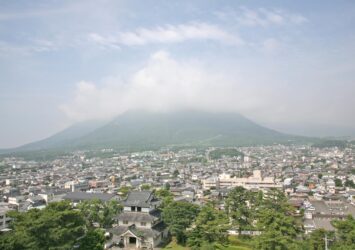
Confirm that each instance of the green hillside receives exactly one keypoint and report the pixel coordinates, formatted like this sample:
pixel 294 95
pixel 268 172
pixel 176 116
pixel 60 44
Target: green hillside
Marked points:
pixel 145 130
pixel 154 130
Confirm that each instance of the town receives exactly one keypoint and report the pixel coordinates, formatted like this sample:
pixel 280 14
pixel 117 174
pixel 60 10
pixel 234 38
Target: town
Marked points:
pixel 318 182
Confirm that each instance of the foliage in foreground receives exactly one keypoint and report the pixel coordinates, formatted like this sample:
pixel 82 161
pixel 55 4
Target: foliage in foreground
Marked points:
pixel 211 226
pixel 59 226
pixel 56 227
pixel 268 213
pixel 102 213
pixel 179 216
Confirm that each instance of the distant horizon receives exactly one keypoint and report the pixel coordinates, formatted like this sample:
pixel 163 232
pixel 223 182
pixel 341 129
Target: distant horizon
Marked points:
pixel 287 65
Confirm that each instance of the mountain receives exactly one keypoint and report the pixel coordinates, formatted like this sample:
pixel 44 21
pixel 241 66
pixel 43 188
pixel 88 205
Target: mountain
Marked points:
pixel 63 138
pixel 147 130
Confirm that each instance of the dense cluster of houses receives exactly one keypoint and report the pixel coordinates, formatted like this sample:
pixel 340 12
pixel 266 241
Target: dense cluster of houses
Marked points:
pixel 318 182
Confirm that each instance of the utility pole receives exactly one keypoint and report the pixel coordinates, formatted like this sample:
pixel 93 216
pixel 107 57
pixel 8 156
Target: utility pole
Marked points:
pixel 326 242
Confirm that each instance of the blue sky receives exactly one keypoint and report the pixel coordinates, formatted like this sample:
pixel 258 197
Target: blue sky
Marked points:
pixel 288 65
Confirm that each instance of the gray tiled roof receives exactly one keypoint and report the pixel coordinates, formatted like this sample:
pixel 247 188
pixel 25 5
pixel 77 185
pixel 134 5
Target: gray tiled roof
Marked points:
pixel 139 217
pixel 140 199
pixel 140 232
pixel 324 223
pixel 80 196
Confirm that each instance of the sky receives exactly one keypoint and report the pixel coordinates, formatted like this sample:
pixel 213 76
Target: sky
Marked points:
pixel 288 65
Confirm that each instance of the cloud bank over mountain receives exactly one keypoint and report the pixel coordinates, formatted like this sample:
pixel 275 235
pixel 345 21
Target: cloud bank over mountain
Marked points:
pixel 165 83
pixel 162 84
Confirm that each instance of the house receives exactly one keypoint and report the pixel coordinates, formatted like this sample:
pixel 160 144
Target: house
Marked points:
pixel 320 213
pixel 53 195
pixel 140 224
pixel 351 197
pixel 77 197
pixel 36 202
pixel 16 200
pixel 4 219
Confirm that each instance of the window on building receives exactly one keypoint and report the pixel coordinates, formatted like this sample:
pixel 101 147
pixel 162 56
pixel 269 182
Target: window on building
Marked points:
pixel 143 224
pixel 139 209
pixel 133 209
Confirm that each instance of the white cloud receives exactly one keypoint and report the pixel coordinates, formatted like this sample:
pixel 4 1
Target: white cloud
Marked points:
pixel 261 17
pixel 265 93
pixel 104 42
pixel 167 34
pixel 163 84
pixel 298 19
pixel 33 46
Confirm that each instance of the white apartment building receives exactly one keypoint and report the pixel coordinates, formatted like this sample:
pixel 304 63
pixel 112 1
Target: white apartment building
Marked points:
pixel 256 181
pixel 78 185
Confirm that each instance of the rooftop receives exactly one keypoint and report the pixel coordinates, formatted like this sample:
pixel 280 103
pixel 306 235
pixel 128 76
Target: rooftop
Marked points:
pixel 140 199
pixel 79 196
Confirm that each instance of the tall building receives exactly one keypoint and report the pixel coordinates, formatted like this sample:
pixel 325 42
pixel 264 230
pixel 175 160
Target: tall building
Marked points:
pixel 140 224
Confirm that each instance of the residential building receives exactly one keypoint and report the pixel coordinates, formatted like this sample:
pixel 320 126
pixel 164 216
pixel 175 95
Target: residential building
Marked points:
pixel 140 224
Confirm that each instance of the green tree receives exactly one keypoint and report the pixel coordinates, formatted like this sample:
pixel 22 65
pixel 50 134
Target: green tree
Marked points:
pixel 146 187
pixel 179 216
pixel 274 240
pixel 211 226
pixel 57 226
pixel 195 239
pixel 96 211
pixel 338 183
pixel 165 195
pixel 91 211
pixel 93 240
pixel 207 246
pixel 221 152
pixel 316 241
pixel 176 173
pixel 237 208
pixel 278 230
pixel 124 190
pixel 345 234
pixel 111 209
pixel 274 216
pixel 349 183
pixel 275 199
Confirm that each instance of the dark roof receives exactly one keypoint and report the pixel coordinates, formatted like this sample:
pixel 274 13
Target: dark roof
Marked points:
pixel 140 199
pixel 139 232
pixel 55 191
pixel 80 196
pixel 35 198
pixel 184 199
pixel 139 217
